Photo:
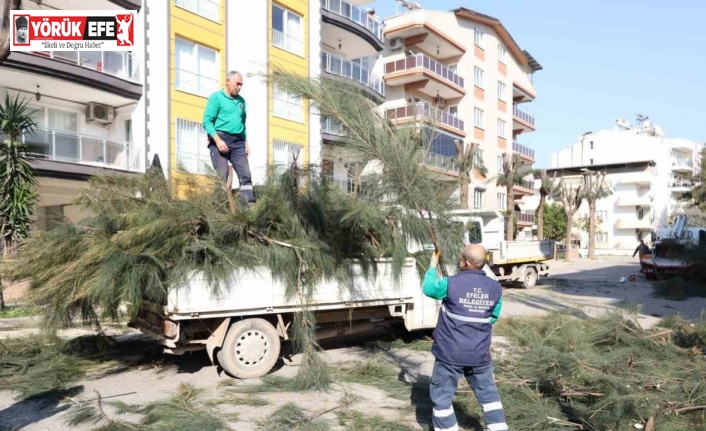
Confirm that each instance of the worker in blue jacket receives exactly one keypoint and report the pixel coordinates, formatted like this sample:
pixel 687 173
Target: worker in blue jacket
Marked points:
pixel 471 303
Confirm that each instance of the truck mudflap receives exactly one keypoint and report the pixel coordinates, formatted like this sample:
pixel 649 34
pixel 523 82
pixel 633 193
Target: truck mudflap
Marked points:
pixel 151 321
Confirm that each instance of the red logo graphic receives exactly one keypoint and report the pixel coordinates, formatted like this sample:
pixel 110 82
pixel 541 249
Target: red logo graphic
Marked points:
pixel 126 30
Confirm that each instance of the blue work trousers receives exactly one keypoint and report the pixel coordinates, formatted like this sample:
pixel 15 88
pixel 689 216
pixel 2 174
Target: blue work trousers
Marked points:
pixel 236 156
pixel 444 382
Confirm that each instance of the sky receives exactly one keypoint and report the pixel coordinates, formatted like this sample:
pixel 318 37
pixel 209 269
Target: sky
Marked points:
pixel 602 60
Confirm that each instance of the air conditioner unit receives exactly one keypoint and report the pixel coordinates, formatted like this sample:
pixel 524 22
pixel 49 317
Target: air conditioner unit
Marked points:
pixel 396 43
pixel 99 114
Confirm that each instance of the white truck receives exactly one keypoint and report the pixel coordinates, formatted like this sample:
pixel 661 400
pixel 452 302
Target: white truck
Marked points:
pixel 243 324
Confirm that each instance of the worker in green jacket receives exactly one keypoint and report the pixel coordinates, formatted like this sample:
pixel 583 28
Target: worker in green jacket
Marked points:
pixel 224 121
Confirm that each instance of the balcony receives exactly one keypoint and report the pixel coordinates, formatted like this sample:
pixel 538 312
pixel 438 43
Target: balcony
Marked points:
pixel 424 112
pixel 641 179
pixel 438 163
pixel 82 74
pixel 640 224
pixel 524 218
pixel 522 121
pixel 331 130
pixel 524 152
pixel 421 73
pixel 523 188
pixel 86 150
pixel 634 201
pixel 680 164
pixel 414 29
pixel 338 66
pixel 358 33
pixel 680 186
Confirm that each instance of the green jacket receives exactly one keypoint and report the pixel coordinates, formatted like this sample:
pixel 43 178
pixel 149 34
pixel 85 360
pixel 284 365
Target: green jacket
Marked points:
pixel 226 114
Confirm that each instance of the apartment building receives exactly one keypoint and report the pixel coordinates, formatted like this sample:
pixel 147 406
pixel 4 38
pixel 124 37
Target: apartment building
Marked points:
pixel 208 38
pixel 90 110
pixel 464 73
pixel 646 172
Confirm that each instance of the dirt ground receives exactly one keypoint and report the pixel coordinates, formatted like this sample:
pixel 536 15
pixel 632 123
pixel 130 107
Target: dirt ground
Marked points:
pixel 591 287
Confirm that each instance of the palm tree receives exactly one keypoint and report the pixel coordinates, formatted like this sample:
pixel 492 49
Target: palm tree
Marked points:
pixel 512 175
pixel 546 188
pixel 467 161
pixel 17 181
pixel 595 188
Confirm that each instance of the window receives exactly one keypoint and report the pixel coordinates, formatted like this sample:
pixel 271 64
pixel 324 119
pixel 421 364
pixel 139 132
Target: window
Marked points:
pixel 500 165
pixel 591 144
pixel 478 77
pixel 478 117
pixel 502 53
pixel 601 216
pixel 196 68
pixel 287 106
pixel 453 68
pixel 478 37
pixel 501 91
pixel 475 232
pixel 641 214
pixel 502 201
pixel 205 8
pixel 478 198
pixel 453 111
pixel 601 236
pixel 192 147
pixel 285 153
pixel 128 130
pixel 478 158
pixel 591 161
pixel 287 30
pixel 501 128
pixel 60 146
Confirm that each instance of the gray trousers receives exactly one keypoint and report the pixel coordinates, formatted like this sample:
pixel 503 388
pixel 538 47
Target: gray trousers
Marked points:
pixel 236 156
pixel 444 382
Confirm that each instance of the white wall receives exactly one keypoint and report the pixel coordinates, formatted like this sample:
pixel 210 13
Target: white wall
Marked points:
pixel 246 52
pixel 156 76
pixel 315 147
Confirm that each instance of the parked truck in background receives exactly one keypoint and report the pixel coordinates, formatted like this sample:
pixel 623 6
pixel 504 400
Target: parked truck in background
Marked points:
pixel 241 326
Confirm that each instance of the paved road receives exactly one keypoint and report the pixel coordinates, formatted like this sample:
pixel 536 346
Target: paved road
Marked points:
pixel 594 287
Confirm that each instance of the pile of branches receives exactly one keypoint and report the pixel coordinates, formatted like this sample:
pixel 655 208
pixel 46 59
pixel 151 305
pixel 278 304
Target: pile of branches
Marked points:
pixel 601 374
pixel 147 235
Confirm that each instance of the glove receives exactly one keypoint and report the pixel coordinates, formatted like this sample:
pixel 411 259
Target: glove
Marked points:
pixel 435 259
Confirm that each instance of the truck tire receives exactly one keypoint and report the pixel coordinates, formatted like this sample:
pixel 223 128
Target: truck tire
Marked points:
pixel 250 349
pixel 529 277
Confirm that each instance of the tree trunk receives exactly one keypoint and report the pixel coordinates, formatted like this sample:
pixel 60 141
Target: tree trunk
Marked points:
pixel 2 295
pixel 465 186
pixel 592 229
pixel 510 227
pixel 569 222
pixel 7 246
pixel 5 27
pixel 540 217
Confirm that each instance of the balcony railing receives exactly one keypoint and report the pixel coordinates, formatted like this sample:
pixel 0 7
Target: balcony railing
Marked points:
pixel 424 110
pixel 521 149
pixel 682 162
pixel 424 62
pixel 347 69
pixel 438 161
pixel 287 43
pixel 522 115
pixel 526 185
pixel 82 149
pixel 123 65
pixel 331 126
pixel 524 217
pixel 673 183
pixel 355 14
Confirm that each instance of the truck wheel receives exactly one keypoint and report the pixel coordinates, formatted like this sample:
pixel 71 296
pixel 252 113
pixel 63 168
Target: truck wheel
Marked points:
pixel 250 349
pixel 530 277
